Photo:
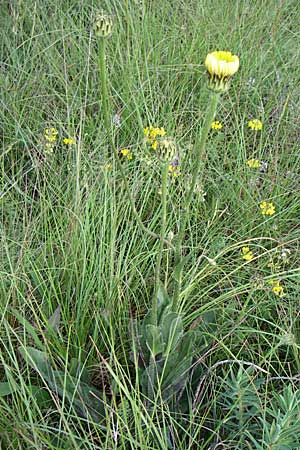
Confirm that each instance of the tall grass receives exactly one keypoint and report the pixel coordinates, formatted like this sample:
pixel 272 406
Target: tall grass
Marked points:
pixel 76 268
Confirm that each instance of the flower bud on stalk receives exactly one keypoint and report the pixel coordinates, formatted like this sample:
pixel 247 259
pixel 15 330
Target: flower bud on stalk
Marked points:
pixel 103 25
pixel 221 66
pixel 167 150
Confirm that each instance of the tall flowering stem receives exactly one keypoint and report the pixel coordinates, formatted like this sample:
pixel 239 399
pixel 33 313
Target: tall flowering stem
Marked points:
pixel 103 28
pixel 199 149
pixel 103 79
pixel 164 177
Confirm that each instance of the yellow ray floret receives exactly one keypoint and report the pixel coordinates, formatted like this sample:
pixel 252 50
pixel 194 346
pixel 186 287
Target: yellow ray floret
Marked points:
pixel 222 64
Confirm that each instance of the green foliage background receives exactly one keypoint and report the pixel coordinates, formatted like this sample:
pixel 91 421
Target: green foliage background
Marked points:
pixel 75 268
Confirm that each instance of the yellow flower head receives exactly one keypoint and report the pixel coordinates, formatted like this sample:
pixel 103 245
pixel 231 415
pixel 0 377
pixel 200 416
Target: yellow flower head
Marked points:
pixel 247 254
pixel 69 141
pixel 255 124
pixel 253 163
pixel 174 171
pixel 277 289
pixel 152 132
pixel 127 153
pixel 221 66
pixel 267 208
pixel 216 125
pixel 103 25
pixel 49 147
pixel 50 134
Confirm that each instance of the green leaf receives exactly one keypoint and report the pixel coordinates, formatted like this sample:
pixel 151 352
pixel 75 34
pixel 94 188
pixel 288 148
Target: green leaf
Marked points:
pixel 6 389
pixel 36 359
pixel 172 330
pixel 163 300
pixel 29 328
pixel 154 340
pixel 85 399
pixel 54 320
pixel 179 267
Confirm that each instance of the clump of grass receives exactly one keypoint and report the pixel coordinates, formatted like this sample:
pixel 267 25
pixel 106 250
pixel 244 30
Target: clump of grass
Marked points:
pixel 79 262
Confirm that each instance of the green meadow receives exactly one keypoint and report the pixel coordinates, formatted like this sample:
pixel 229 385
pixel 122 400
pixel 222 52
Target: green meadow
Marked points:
pixel 149 277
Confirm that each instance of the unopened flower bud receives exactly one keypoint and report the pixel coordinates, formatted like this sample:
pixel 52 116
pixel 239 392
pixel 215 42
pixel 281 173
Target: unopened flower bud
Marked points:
pixel 167 150
pixel 221 66
pixel 103 25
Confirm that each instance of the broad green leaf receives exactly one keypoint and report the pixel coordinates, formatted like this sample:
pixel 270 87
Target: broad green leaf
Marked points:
pixel 54 320
pixel 6 389
pixel 154 340
pixel 29 328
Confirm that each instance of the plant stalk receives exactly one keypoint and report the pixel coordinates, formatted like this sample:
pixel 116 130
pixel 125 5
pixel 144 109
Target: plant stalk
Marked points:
pixel 105 107
pixel 164 178
pixel 199 147
pixel 104 91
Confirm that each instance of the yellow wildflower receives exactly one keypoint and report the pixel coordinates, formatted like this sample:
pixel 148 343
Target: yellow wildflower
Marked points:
pixel 151 133
pixel 69 141
pixel 267 208
pixel 277 289
pixel 255 124
pixel 107 166
pixel 247 254
pixel 50 134
pixel 127 153
pixel 216 125
pixel 221 66
pixel 49 147
pixel 174 171
pixel 253 163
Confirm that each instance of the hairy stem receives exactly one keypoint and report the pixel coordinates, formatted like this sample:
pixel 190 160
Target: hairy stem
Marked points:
pixel 199 148
pixel 164 178
pixel 105 107
pixel 104 91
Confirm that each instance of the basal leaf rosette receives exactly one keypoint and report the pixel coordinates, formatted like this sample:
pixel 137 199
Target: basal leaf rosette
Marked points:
pixel 221 66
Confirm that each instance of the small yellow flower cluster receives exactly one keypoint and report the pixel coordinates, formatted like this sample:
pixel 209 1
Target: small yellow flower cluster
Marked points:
pixel 247 254
pixel 216 125
pixel 277 288
pixel 174 171
pixel 253 163
pixel 127 153
pixel 51 134
pixel 69 141
pixel 255 124
pixel 267 208
pixel 152 133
